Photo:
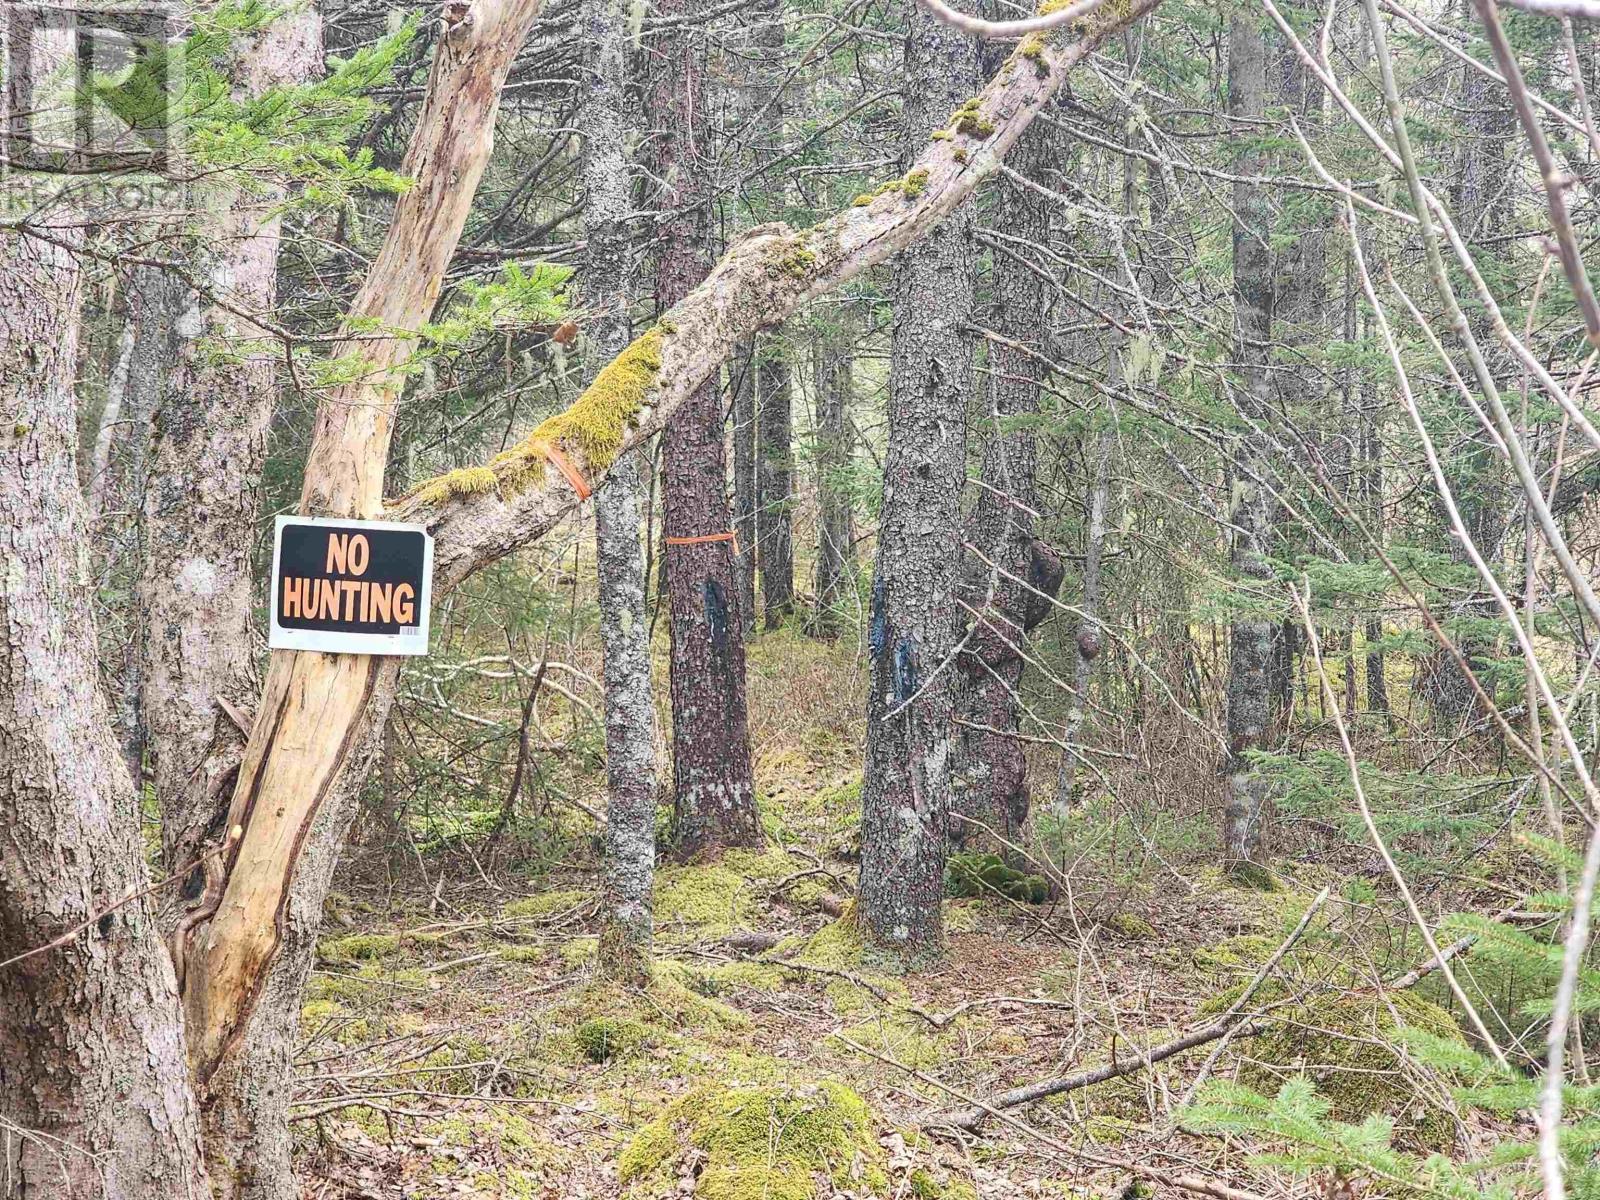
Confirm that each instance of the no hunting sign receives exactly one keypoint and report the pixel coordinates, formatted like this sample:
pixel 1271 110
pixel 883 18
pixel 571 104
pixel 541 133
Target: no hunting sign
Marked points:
pixel 350 587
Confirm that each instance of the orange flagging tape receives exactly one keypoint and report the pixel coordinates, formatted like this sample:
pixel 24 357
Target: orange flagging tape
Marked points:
pixel 579 485
pixel 730 536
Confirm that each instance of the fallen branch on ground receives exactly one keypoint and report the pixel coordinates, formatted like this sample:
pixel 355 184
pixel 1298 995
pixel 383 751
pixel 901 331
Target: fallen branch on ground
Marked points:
pixel 1187 1183
pixel 1233 1023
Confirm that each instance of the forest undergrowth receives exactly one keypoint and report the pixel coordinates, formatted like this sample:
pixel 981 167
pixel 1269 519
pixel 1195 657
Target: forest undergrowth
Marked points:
pixel 457 1039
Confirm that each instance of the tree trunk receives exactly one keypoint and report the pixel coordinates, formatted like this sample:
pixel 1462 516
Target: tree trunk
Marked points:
pixel 202 501
pixel 93 1087
pixel 905 792
pixel 742 415
pixel 118 481
pixel 988 776
pixel 714 793
pixel 624 633
pixel 775 482
pixel 197 597
pixel 835 364
pixel 1251 640
pixel 1090 639
pixel 320 717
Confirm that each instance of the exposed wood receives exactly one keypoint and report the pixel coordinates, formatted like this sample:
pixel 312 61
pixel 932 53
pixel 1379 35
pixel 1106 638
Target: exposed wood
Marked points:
pixel 310 719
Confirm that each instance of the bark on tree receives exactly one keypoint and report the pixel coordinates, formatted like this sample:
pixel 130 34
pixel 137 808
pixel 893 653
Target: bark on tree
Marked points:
pixel 742 416
pixel 1089 642
pixel 988 776
pixel 774 483
pixel 94 1098
pixel 835 567
pixel 714 801
pixel 117 482
pixel 1251 639
pixel 201 504
pixel 624 951
pixel 905 792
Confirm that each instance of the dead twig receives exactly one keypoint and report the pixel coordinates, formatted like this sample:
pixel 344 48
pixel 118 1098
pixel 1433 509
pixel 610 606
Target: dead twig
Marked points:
pixel 1187 1183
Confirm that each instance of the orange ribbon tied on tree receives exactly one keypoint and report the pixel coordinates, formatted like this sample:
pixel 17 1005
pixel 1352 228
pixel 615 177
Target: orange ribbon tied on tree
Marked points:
pixel 729 536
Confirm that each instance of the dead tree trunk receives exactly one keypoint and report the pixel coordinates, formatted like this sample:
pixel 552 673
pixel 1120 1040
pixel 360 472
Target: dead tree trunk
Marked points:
pixel 319 721
pixel 905 792
pixel 714 792
pixel 624 633
pixel 93 1091
pixel 1251 640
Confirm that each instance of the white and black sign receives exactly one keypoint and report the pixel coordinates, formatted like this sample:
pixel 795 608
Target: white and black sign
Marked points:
pixel 350 587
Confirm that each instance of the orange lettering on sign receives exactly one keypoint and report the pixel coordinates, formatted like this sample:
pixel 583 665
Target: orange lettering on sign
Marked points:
pixel 404 609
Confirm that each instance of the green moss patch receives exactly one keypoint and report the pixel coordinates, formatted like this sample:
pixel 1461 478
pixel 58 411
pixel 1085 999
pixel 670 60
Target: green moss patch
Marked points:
pixel 760 1143
pixel 544 904
pixel 969 120
pixel 714 899
pixel 604 1038
pixel 1131 926
pixel 974 874
pixel 358 947
pixel 595 426
pixel 903 1037
pixel 1350 1047
pixel 925 1185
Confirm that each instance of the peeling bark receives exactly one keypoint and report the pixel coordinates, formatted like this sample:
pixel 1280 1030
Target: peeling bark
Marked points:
pixel 319 713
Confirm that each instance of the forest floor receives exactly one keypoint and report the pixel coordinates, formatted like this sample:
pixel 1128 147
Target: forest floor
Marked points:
pixel 457 1041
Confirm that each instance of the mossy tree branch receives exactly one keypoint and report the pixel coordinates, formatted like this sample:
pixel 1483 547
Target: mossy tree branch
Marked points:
pixel 766 275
